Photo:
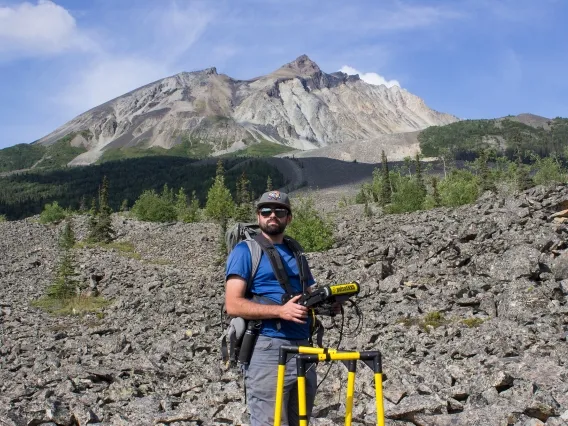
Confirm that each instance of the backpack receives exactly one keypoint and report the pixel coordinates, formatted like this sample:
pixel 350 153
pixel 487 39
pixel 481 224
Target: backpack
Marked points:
pixel 250 233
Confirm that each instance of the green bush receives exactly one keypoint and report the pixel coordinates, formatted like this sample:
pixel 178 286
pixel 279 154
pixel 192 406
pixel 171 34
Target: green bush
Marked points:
pixel 52 213
pixel 408 196
pixel 548 171
pixel 459 188
pixel 3 218
pixel 152 207
pixel 312 231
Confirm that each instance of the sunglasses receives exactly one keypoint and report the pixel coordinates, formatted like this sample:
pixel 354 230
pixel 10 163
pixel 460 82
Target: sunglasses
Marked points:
pixel 279 212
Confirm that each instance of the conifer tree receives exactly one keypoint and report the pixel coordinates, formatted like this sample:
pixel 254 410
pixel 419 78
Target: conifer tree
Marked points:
pixel 193 209
pixel 67 236
pixel 83 204
pixel 168 194
pixel 485 182
pixel 220 205
pixel 435 193
pixel 124 205
pixel 66 283
pixel 181 204
pixel 524 181
pixel 386 190
pixel 268 184
pixel 407 163
pixel 243 211
pixel 419 175
pixel 102 230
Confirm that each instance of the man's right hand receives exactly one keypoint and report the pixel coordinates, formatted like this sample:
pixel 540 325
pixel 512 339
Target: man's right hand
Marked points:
pixel 291 311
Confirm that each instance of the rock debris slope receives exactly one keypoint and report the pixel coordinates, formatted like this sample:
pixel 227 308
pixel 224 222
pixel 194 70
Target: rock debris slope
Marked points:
pixel 297 105
pixel 468 307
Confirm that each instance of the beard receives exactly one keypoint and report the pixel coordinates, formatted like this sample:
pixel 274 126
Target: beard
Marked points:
pixel 272 228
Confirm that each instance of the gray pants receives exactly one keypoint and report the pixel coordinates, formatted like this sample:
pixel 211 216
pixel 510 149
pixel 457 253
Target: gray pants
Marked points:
pixel 260 383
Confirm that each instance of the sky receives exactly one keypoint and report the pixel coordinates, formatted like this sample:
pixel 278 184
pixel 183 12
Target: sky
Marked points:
pixel 470 58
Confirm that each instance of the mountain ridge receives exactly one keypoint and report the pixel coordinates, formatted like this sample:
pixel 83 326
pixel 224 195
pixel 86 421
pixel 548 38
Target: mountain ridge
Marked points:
pixel 297 105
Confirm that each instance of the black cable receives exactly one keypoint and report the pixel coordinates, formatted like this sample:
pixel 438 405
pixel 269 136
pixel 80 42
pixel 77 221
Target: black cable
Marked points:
pixel 338 344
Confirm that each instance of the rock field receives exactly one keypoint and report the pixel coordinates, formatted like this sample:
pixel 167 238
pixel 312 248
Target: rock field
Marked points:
pixel 468 307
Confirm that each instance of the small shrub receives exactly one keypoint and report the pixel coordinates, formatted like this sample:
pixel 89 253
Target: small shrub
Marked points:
pixel 312 231
pixel 431 320
pixel 76 305
pixel 459 188
pixel 345 201
pixel 3 218
pixel 473 322
pixel 52 213
pixel 548 171
pixel 435 319
pixel 407 197
pixel 151 207
pixel 367 211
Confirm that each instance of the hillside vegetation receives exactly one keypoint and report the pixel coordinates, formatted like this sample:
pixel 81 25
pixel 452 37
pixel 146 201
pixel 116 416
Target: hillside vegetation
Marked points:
pixel 466 137
pixel 26 194
pixel 25 156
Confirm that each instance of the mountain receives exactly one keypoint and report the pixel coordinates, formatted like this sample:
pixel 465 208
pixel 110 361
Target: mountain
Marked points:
pixel 298 105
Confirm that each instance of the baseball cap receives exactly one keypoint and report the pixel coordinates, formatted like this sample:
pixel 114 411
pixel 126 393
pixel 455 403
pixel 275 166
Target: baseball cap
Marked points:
pixel 274 198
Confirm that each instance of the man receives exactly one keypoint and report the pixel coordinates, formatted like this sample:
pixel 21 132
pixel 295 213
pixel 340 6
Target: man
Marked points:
pixel 286 324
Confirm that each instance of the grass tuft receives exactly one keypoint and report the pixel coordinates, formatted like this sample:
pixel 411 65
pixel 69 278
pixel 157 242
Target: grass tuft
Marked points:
pixel 76 305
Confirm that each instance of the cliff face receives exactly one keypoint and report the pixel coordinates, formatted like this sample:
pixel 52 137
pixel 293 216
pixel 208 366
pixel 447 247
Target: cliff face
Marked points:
pixel 297 105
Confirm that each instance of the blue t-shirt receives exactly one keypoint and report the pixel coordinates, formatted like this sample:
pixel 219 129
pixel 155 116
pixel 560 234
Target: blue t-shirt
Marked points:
pixel 265 284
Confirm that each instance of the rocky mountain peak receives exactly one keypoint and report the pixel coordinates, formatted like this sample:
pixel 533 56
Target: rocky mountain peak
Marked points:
pixel 298 105
pixel 302 66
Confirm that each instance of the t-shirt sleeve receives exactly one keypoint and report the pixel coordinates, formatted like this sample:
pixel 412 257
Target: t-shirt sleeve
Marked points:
pixel 239 262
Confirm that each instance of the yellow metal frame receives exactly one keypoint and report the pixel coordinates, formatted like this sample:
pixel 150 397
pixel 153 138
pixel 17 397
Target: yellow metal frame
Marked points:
pixel 309 355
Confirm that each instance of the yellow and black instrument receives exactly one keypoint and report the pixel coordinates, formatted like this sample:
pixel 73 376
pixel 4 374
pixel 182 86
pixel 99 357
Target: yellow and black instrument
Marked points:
pixel 309 355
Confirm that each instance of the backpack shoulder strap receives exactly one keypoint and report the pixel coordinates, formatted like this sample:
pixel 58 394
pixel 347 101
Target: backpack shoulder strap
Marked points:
pixel 256 254
pixel 275 261
pixel 301 260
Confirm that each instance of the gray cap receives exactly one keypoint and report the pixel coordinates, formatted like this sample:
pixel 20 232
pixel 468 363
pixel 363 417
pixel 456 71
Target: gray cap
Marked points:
pixel 274 198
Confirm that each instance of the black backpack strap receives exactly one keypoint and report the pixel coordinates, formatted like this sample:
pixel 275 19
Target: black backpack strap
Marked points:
pixel 275 261
pixel 301 260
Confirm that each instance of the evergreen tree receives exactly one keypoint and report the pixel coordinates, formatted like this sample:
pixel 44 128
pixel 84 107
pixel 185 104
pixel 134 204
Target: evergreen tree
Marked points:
pixel 168 194
pixel 419 175
pixel 67 236
pixel 66 284
pixel 193 209
pixel 485 181
pixel 124 205
pixel 268 184
pixel 83 204
pixel 220 205
pixel 243 211
pixel 524 181
pixel 181 204
pixel 407 163
pixel 101 223
pixel 435 193
pixel 386 190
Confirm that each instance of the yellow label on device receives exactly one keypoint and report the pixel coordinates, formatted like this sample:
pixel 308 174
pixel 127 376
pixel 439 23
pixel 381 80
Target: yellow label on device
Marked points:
pixel 350 288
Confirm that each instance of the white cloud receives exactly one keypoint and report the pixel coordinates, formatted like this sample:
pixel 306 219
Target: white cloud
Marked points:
pixel 370 77
pixel 44 28
pixel 106 79
pixel 112 73
pixel 406 17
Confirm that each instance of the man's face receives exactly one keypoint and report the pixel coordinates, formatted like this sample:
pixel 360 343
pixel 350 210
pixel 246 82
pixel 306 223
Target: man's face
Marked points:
pixel 269 221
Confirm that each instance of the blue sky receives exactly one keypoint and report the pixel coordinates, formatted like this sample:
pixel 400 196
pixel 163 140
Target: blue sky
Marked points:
pixel 470 58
